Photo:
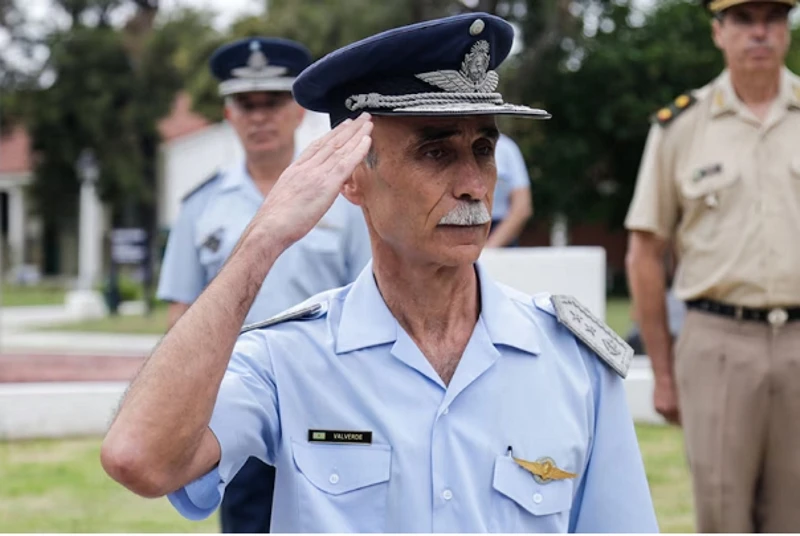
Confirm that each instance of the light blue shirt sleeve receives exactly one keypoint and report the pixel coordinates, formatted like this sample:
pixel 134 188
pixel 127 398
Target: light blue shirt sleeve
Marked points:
pixel 513 165
pixel 613 495
pixel 512 174
pixel 245 421
pixel 182 276
pixel 359 249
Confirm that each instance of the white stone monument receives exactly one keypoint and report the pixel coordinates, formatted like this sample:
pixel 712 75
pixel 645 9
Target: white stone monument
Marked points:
pixel 85 301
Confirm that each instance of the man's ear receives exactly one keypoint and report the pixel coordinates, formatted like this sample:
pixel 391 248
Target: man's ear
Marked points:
pixel 716 33
pixel 353 187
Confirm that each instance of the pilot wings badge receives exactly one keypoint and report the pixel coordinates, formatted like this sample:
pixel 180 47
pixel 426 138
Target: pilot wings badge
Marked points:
pixel 544 470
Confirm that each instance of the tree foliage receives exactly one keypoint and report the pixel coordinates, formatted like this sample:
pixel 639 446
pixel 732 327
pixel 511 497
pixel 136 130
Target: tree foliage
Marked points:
pixel 110 87
pixel 602 90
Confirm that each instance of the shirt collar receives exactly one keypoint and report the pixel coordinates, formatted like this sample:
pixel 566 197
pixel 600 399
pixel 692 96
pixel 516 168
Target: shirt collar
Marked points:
pixel 238 178
pixel 366 320
pixel 724 98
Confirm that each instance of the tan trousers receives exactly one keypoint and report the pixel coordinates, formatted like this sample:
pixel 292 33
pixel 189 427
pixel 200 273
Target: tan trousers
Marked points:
pixel 739 394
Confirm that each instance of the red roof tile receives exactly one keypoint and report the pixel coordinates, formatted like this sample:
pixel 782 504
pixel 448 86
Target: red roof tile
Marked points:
pixel 181 120
pixel 15 150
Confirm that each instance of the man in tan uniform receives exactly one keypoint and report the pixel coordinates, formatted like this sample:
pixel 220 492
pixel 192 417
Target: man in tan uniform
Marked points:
pixel 720 182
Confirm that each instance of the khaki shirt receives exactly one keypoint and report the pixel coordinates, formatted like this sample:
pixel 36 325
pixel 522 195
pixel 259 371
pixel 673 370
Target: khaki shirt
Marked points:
pixel 726 188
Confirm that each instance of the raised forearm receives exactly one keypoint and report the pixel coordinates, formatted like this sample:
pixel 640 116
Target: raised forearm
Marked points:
pixel 168 406
pixel 160 439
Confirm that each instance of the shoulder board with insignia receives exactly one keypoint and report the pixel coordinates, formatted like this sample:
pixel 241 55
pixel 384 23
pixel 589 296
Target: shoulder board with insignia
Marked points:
pixel 200 186
pixel 668 113
pixel 306 313
pixel 594 333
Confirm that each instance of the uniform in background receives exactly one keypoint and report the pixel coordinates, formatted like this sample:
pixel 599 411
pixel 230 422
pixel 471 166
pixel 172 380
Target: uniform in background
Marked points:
pixel 725 188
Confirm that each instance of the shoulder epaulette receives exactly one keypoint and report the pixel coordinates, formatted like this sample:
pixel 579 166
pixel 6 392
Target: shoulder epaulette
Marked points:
pixel 594 333
pixel 668 113
pixel 202 185
pixel 309 312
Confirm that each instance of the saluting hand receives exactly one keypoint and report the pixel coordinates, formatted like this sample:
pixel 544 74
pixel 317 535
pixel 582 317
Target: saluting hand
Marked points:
pixel 307 188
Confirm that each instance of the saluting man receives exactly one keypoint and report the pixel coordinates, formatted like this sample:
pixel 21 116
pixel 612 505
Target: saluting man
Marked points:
pixel 424 397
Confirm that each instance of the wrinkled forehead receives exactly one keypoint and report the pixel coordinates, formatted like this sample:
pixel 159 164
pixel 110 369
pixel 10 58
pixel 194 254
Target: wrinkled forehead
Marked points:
pixel 424 129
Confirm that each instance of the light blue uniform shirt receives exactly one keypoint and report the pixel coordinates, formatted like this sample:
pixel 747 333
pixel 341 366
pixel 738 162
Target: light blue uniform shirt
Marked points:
pixel 512 174
pixel 211 222
pixel 438 460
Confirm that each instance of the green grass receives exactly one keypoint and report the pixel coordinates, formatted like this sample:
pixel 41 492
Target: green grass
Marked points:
pixel 15 295
pixel 668 475
pixel 618 315
pixel 59 486
pixel 155 324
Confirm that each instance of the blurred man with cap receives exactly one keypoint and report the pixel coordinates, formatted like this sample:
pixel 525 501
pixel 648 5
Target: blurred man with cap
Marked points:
pixel 424 397
pixel 720 181
pixel 256 76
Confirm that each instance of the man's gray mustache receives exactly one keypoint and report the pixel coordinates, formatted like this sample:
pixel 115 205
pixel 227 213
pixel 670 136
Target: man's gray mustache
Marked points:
pixel 466 214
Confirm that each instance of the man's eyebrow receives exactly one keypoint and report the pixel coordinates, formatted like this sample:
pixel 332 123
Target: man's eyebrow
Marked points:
pixel 430 134
pixel 490 132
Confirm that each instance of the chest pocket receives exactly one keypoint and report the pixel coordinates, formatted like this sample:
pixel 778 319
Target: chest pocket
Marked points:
pixel 522 504
pixel 709 191
pixel 346 483
pixel 211 251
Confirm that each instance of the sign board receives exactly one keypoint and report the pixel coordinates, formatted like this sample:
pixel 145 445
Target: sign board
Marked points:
pixel 129 245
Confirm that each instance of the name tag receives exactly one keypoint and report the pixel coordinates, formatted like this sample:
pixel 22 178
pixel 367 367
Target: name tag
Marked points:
pixel 339 436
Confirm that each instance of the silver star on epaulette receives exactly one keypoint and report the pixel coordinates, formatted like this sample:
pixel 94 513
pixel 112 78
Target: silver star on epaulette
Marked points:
pixel 594 333
pixel 474 76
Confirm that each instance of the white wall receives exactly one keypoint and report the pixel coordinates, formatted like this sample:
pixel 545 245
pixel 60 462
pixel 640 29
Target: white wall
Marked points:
pixel 577 271
pixel 189 160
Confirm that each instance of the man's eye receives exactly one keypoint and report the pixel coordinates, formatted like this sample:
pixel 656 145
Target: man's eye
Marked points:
pixel 486 150
pixel 436 154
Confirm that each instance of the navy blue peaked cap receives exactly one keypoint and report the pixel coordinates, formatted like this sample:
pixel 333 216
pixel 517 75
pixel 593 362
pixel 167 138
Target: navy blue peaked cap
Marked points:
pixel 258 64
pixel 442 67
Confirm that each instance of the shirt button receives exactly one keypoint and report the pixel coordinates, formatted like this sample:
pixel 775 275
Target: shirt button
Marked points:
pixel 334 479
pixel 537 498
pixel 447 495
pixel 446 411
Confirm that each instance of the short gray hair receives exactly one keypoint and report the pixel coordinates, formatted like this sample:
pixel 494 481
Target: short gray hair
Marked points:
pixel 371 160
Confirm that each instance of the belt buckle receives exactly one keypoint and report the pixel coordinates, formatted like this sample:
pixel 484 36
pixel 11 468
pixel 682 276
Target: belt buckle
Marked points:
pixel 778 317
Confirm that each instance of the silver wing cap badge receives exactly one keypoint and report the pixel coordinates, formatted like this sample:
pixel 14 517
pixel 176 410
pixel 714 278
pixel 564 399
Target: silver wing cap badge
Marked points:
pixel 473 77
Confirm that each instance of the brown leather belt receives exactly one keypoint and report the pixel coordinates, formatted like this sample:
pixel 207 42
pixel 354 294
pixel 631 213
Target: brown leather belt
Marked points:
pixel 775 316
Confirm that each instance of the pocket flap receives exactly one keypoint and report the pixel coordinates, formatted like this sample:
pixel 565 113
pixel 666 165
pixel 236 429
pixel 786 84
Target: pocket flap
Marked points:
pixel 338 469
pixel 539 499
pixel 701 180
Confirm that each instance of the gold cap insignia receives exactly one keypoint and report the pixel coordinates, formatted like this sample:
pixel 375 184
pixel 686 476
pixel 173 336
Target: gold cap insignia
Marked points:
pixel 544 470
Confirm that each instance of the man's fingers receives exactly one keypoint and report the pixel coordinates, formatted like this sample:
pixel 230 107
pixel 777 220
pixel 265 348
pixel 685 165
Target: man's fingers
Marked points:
pixel 315 146
pixel 346 158
pixel 321 156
